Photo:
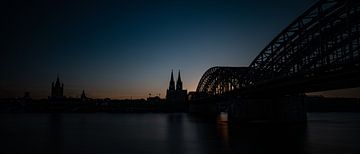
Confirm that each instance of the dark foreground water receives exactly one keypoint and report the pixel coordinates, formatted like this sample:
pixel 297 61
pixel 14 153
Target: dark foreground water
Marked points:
pixel 174 133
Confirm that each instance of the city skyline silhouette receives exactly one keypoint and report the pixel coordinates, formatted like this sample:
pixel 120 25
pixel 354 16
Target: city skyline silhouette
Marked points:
pixel 121 49
pixel 180 76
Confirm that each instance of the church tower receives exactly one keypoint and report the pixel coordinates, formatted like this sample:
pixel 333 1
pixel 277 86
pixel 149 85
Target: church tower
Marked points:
pixel 179 83
pixel 83 96
pixel 172 82
pixel 57 89
pixel 176 98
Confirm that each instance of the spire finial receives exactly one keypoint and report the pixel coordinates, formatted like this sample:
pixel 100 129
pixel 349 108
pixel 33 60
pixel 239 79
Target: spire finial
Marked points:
pixel 172 82
pixel 179 77
pixel 83 96
pixel 57 83
pixel 179 82
pixel 172 75
pixel 57 77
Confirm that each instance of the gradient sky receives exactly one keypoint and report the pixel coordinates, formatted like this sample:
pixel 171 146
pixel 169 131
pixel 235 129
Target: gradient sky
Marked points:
pixel 127 49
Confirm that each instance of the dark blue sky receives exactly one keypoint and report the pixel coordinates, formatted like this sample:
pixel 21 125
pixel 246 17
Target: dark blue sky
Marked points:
pixel 123 49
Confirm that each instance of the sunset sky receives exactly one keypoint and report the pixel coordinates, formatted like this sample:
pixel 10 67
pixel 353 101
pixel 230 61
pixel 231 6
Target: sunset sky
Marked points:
pixel 127 49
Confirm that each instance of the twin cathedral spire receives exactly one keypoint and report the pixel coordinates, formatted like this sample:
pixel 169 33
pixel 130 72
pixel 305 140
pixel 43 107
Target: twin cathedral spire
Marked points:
pixel 178 82
pixel 176 96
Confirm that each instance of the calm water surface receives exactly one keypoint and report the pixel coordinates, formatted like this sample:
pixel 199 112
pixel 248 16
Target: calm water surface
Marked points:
pixel 174 133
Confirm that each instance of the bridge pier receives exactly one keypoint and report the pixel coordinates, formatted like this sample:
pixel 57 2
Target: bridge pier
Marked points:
pixel 204 109
pixel 286 109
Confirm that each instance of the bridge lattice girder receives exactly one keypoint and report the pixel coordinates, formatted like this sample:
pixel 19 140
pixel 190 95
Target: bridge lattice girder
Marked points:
pixel 218 80
pixel 324 41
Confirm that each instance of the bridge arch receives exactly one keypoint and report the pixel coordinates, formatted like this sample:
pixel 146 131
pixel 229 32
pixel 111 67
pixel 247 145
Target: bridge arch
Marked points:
pixel 318 51
pixel 218 80
pixel 325 39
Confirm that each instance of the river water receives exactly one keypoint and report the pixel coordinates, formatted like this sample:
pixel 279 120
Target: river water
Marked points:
pixel 174 133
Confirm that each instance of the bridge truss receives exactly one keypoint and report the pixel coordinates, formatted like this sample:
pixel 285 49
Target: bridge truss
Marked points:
pixel 322 45
pixel 218 80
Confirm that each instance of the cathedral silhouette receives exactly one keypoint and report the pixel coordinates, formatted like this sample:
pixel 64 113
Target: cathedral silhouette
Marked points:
pixel 176 97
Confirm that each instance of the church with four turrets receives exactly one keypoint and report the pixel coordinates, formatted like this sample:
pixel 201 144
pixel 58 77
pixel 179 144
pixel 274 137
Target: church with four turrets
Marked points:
pixel 57 89
pixel 176 96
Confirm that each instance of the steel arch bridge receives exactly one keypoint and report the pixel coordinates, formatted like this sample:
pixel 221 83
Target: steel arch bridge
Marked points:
pixel 218 80
pixel 317 51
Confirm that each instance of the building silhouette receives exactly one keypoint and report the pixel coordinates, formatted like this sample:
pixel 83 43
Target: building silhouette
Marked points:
pixel 176 96
pixel 83 96
pixel 57 89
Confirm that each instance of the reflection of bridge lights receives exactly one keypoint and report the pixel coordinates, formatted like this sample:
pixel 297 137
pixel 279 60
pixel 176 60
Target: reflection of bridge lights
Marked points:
pixel 222 126
pixel 223 117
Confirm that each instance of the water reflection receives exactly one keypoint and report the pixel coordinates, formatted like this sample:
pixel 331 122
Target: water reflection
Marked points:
pixel 173 133
pixel 260 138
pixel 223 129
pixel 55 139
pixel 252 138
